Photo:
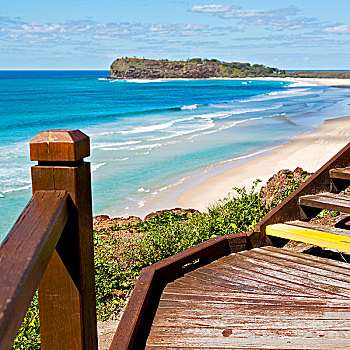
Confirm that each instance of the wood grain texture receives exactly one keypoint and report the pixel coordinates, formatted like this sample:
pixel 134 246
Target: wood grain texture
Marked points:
pixel 24 256
pixel 251 300
pixel 319 182
pixel 59 145
pixel 330 201
pixel 69 301
pixel 340 173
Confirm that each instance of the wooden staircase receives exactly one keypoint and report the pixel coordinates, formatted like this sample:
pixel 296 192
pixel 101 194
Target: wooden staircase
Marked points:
pixel 310 205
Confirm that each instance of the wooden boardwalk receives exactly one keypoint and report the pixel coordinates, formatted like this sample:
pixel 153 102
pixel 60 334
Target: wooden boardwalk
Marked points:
pixel 264 298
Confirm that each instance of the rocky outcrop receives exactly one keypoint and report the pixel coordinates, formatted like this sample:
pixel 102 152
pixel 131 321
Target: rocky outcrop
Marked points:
pixel 104 221
pixel 196 68
pixel 281 183
pixel 177 211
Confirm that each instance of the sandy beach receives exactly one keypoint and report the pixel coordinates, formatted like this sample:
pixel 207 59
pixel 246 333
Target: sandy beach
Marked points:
pixel 309 151
pixel 312 81
pixel 317 81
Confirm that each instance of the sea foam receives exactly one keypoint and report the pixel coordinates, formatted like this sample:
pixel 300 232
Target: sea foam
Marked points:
pixel 190 107
pixel 97 166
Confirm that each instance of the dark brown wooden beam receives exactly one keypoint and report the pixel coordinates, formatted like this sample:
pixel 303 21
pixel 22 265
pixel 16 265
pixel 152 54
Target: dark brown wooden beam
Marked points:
pixel 24 256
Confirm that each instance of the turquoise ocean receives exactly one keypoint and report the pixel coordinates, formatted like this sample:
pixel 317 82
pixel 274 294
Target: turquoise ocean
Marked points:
pixel 148 136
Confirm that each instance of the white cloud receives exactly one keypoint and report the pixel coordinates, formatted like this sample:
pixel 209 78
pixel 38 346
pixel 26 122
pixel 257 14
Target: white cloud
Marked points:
pixel 278 19
pixel 237 12
pixel 341 29
pixel 210 8
pixel 16 30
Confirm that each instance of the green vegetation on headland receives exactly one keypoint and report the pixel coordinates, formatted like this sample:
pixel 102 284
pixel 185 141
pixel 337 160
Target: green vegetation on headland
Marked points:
pixel 122 251
pixel 197 68
pixel 331 74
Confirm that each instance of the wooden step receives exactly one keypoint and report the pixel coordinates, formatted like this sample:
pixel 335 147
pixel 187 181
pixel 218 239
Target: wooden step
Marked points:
pixel 308 235
pixel 323 228
pixel 340 173
pixel 330 201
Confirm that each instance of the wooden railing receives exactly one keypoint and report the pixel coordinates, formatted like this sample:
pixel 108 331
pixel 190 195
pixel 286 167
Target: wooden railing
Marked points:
pixel 51 247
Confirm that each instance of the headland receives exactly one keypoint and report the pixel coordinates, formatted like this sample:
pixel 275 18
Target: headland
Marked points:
pixel 197 68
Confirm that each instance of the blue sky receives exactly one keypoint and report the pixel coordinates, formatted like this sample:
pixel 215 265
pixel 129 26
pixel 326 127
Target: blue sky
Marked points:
pixel 85 34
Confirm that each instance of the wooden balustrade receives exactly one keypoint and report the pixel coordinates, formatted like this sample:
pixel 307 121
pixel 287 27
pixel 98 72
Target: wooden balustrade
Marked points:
pixel 51 245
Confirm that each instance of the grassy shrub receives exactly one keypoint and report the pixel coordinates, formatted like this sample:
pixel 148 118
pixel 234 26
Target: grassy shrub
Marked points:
pixel 29 334
pixel 119 258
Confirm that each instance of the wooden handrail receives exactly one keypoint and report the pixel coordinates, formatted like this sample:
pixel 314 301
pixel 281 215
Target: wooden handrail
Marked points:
pixel 24 255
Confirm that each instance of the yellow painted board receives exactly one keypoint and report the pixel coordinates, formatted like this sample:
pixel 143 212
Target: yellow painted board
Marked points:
pixel 306 235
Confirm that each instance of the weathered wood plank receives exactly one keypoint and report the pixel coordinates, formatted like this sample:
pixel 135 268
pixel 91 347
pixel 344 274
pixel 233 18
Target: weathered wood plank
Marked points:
pixel 175 309
pixel 281 259
pixel 305 265
pixel 235 332
pixel 252 298
pixel 33 239
pixel 289 269
pixel 286 274
pixel 243 284
pixel 251 323
pixel 248 343
pixel 341 267
pixel 216 307
pixel 268 281
pixel 200 284
pixel 330 201
pixel 253 301
pixel 340 173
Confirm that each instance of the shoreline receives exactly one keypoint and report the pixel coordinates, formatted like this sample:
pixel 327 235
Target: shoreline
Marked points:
pixel 308 151
pixel 331 82
pixel 201 187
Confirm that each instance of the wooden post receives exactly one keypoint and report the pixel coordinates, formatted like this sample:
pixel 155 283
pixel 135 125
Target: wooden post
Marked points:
pixel 67 303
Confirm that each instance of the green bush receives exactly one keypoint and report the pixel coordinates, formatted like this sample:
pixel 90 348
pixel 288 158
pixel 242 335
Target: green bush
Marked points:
pixel 29 334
